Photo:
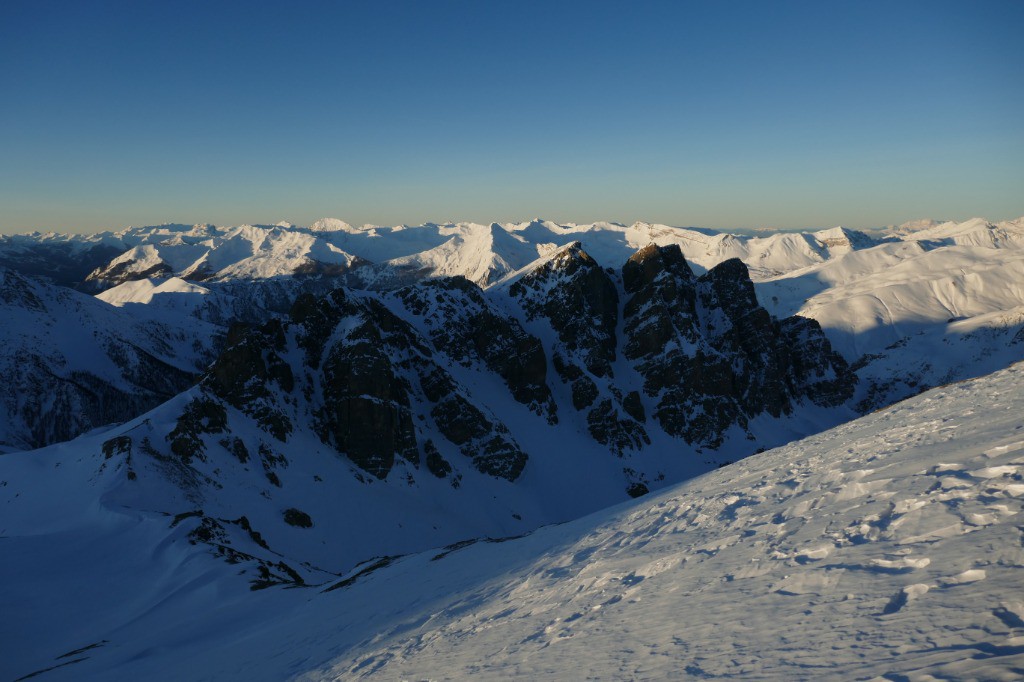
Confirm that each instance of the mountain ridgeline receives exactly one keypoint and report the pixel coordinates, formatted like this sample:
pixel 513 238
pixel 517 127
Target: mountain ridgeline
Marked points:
pixel 363 424
pixel 409 375
pixel 71 363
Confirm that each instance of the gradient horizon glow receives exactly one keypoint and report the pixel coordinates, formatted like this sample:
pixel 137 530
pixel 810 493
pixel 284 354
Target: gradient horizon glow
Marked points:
pixel 726 115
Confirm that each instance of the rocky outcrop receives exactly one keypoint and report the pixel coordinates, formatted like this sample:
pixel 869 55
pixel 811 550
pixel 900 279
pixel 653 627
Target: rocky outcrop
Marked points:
pixel 366 411
pixel 246 374
pixel 817 371
pixel 463 325
pixel 580 301
pixel 371 387
pixel 711 356
pixel 200 417
pixel 618 431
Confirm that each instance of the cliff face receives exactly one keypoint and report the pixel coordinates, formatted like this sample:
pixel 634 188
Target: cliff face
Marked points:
pixel 369 385
pixel 712 357
pixel 376 378
pixel 440 411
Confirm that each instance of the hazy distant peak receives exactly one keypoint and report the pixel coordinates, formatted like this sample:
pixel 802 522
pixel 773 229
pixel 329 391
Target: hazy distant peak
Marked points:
pixel 332 225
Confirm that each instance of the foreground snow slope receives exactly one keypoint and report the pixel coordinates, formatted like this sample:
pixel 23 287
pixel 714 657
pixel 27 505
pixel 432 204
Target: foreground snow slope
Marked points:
pixel 891 547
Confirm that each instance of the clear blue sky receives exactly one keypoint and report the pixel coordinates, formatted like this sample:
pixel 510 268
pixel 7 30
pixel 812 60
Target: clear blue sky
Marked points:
pixel 719 114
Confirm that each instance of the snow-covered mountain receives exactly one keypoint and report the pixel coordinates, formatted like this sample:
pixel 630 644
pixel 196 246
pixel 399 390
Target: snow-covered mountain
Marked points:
pixel 911 307
pixel 387 257
pixel 70 363
pixel 886 548
pixel 383 392
pixel 942 304
pixel 457 413
pixel 481 253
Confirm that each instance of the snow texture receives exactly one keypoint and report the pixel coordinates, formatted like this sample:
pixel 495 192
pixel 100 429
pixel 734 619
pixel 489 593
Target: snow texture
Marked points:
pixel 887 548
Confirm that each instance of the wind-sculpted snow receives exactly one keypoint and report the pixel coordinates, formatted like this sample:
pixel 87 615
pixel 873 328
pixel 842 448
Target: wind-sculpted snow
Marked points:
pixel 887 548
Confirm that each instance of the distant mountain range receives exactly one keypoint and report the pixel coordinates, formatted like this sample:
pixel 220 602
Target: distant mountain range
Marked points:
pixel 910 307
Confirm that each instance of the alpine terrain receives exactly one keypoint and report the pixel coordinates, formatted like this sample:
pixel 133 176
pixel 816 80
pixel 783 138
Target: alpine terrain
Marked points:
pixel 274 451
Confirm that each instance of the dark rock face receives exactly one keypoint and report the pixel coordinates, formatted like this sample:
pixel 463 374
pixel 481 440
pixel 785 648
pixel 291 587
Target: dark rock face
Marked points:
pixel 610 428
pixel 465 327
pixel 580 300
pixel 711 356
pixel 369 384
pixel 200 416
pixel 244 372
pixel 378 372
pixel 366 411
pixel 488 444
pixel 662 303
pixel 376 377
pixel 817 371
pixel 366 406
pixel 739 328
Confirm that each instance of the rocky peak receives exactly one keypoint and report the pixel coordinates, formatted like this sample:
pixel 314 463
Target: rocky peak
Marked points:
pixel 711 356
pixel 580 301
pixel 662 305
pixel 652 261
pixel 569 259
pixel 728 287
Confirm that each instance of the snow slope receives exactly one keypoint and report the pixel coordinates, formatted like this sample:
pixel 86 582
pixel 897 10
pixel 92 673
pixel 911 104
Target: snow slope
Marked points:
pixel 204 252
pixel 887 548
pixel 72 363
pixel 942 304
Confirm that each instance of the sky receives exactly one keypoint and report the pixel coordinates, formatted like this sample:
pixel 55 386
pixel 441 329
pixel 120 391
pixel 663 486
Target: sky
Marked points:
pixel 721 114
